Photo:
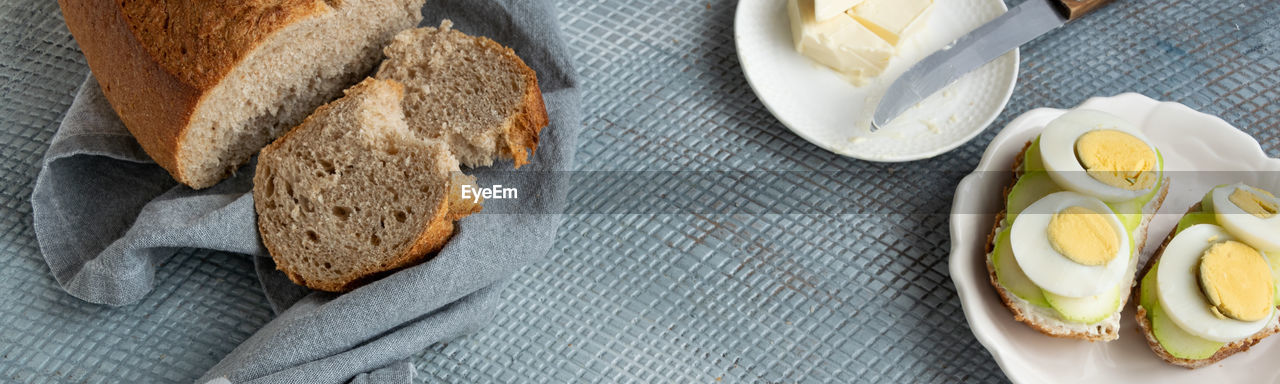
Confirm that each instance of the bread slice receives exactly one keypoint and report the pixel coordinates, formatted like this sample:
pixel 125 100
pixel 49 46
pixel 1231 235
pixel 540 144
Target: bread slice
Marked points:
pixel 1046 320
pixel 352 193
pixel 1144 322
pixel 471 92
pixel 204 85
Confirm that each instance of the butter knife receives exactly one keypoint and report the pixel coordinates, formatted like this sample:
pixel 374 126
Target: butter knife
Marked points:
pixel 1019 25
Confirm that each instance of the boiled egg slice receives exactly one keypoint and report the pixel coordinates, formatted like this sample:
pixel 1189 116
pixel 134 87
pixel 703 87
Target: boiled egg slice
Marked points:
pixel 1071 245
pixel 1201 262
pixel 1250 214
pixel 1100 155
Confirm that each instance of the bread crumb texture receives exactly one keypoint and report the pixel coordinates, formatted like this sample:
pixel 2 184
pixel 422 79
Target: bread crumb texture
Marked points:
pixel 469 91
pixel 351 192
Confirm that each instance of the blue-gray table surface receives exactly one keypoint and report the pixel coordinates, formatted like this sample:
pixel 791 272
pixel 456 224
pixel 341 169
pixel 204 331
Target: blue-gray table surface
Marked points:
pixel 790 296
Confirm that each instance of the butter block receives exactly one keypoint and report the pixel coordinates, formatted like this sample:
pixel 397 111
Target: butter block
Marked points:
pixel 840 43
pixel 892 20
pixel 824 10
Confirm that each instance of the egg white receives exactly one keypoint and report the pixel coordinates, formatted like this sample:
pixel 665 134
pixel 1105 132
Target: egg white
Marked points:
pixel 1057 149
pixel 1261 234
pixel 1052 271
pixel 1179 291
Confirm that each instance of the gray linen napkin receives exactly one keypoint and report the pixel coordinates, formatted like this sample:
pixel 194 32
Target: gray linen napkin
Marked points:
pixel 105 214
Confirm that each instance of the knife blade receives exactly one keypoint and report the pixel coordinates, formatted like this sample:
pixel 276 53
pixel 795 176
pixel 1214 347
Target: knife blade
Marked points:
pixel 1019 25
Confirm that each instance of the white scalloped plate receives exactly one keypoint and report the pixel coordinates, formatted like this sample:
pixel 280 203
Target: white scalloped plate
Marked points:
pixel 1189 141
pixel 820 106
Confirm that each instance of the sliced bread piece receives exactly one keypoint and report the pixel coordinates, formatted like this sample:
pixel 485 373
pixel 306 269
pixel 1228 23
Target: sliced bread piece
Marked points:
pixel 204 85
pixel 471 92
pixel 1046 320
pixel 1145 324
pixel 352 193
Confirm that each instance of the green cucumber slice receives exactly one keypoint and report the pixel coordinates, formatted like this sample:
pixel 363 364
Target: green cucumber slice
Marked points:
pixel 1031 187
pixel 1031 160
pixel 1174 339
pixel 1010 275
pixel 1090 309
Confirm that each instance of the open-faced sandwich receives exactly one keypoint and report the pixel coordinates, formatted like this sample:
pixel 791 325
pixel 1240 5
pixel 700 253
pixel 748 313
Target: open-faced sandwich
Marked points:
pixel 1063 252
pixel 1210 291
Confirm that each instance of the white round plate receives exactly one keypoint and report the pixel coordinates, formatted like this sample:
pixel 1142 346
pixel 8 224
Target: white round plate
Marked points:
pixel 1200 151
pixel 822 107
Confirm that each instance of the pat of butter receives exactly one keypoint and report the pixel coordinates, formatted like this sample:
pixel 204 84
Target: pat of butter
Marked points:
pixel 892 20
pixel 840 43
pixel 824 10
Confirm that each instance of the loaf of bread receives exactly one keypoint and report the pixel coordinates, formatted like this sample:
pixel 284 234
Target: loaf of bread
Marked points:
pixel 471 92
pixel 204 85
pixel 351 193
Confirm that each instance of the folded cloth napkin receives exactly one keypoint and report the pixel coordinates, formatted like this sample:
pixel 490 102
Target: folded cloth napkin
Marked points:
pixel 105 214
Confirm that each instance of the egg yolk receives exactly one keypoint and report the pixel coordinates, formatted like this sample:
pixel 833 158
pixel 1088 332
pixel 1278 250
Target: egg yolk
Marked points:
pixel 1250 202
pixel 1236 280
pixel 1083 236
pixel 1117 159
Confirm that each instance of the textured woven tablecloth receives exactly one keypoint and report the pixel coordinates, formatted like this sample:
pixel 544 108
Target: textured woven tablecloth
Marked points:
pixel 791 296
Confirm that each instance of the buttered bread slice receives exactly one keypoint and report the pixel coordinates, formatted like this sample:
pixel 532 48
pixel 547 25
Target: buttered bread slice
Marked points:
pixel 1063 253
pixel 352 193
pixel 1210 291
pixel 471 92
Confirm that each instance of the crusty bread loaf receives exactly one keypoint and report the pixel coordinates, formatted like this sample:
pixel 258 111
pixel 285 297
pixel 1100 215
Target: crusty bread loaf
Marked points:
pixel 204 85
pixel 1045 319
pixel 352 193
pixel 471 92
pixel 1144 323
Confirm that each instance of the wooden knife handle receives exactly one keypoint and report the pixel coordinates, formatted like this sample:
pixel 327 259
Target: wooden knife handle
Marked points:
pixel 1077 8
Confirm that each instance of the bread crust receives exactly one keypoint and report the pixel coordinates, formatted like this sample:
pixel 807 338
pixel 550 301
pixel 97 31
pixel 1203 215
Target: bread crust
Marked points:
pixel 155 82
pixel 1007 297
pixel 200 43
pixel 154 114
pixel 1145 329
pixel 522 131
